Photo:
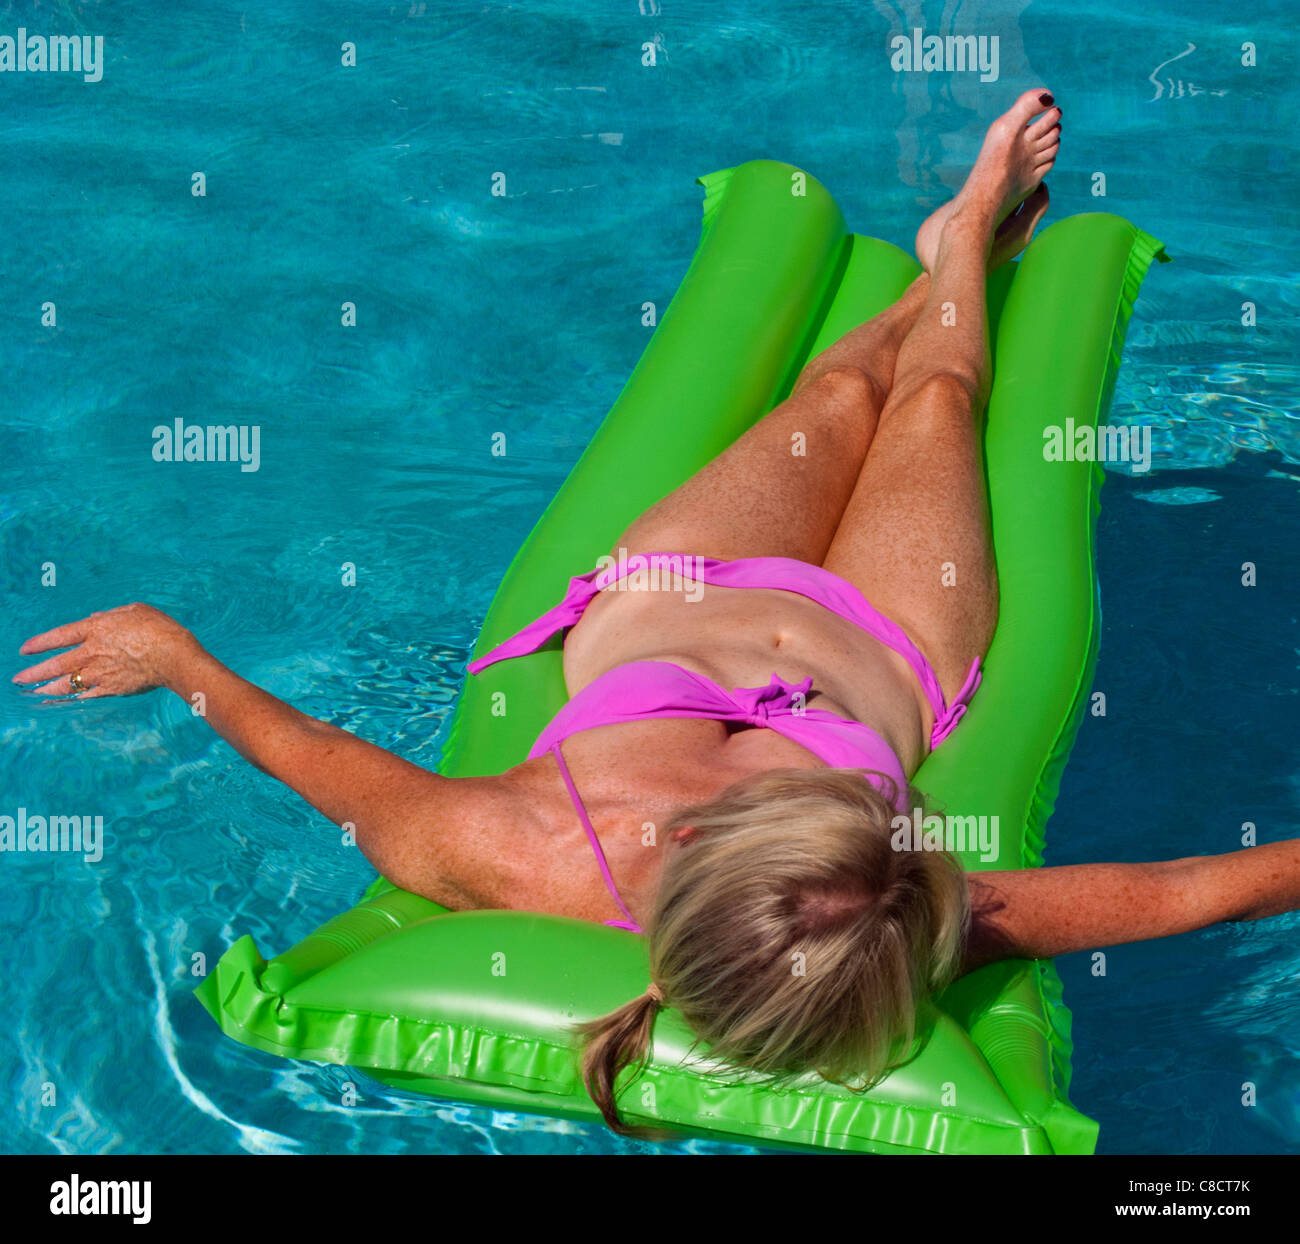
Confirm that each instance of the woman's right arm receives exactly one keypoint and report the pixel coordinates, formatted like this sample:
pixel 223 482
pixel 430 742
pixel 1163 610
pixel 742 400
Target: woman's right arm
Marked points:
pixel 1037 913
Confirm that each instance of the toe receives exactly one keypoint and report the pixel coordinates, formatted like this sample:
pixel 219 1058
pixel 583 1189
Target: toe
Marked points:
pixel 1052 117
pixel 1031 103
pixel 1046 139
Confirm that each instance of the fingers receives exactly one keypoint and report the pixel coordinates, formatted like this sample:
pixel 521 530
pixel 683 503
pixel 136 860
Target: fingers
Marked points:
pixel 91 693
pixel 63 686
pixel 90 672
pixel 64 663
pixel 59 637
pixel 90 688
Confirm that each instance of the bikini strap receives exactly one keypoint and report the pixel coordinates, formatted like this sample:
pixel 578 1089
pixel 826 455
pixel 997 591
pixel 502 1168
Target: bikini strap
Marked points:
pixel 564 615
pixel 630 924
pixel 582 588
pixel 946 722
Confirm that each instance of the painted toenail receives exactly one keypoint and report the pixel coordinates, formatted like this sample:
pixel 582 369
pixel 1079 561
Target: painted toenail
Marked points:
pixel 1046 100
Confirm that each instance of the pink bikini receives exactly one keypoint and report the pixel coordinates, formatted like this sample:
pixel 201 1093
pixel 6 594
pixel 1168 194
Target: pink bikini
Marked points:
pixel 644 690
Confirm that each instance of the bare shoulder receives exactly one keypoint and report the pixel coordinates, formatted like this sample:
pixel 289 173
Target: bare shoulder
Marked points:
pixel 994 908
pixel 469 844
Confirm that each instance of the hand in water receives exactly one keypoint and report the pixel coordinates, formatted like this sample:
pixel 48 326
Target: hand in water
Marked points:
pixel 122 651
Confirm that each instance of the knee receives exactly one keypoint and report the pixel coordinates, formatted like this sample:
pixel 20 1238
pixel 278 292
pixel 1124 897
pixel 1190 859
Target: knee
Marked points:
pixel 947 388
pixel 847 385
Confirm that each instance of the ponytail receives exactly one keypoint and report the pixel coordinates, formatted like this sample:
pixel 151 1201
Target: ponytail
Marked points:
pixel 784 861
pixel 613 1042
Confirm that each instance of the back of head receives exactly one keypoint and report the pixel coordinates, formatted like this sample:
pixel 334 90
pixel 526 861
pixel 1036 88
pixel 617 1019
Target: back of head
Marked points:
pixel 791 935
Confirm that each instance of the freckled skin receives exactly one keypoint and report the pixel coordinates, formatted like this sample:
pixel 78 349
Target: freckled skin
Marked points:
pixel 1042 912
pixel 889 491
pixel 483 842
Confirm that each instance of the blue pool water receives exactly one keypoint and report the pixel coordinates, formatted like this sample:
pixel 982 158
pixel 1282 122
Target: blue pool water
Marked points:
pixel 521 315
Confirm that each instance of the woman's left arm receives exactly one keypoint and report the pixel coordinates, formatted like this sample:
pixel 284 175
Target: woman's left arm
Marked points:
pixel 405 816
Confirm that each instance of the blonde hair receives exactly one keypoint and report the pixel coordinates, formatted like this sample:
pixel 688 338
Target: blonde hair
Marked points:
pixel 790 935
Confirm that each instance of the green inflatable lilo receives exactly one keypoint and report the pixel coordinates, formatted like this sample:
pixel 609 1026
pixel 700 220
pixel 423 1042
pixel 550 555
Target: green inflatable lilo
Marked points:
pixel 478 1006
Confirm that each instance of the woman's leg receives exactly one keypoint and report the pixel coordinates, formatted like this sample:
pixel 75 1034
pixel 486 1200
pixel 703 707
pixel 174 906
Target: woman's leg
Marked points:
pixel 914 537
pixel 761 498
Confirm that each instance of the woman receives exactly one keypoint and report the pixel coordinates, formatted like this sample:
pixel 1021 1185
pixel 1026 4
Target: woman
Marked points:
pixel 748 830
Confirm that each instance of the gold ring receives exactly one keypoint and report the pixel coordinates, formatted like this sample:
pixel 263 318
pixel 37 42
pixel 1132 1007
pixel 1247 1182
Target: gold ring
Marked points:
pixel 75 680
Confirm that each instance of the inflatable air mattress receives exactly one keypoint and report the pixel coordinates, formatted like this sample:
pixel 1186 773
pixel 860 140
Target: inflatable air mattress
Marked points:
pixel 478 1006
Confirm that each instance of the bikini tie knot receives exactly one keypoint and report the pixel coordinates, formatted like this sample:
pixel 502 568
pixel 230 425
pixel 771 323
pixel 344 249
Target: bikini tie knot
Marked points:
pixel 948 724
pixel 778 697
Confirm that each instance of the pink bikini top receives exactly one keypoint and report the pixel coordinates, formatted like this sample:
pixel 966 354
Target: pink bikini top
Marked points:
pixel 646 690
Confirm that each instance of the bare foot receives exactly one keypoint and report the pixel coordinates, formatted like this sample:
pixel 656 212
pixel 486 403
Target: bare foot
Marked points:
pixel 1013 234
pixel 1014 159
